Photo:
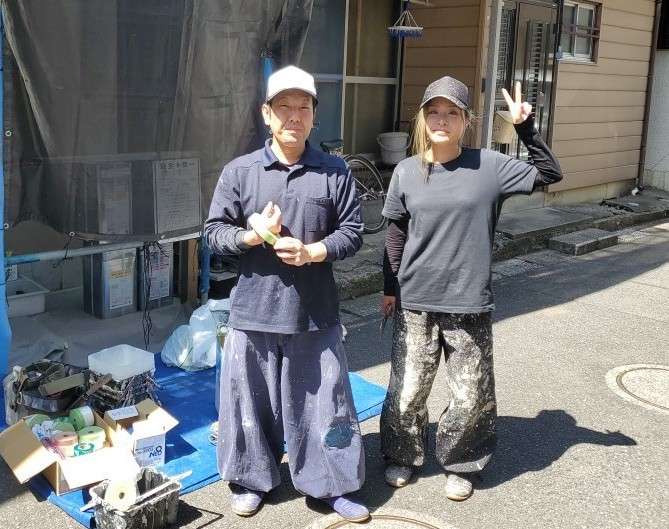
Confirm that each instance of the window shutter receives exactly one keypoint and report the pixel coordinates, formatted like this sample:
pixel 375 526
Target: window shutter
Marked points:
pixel 536 62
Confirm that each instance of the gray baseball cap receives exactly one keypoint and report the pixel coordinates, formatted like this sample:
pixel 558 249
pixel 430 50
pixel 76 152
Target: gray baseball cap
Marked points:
pixel 451 89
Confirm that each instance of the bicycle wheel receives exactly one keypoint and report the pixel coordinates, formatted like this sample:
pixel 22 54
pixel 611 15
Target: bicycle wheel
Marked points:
pixel 370 190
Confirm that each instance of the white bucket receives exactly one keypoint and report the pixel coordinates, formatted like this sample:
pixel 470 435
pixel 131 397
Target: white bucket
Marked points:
pixel 394 146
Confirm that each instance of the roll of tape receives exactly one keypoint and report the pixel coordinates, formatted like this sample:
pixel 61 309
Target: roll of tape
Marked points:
pixel 65 442
pixel 260 227
pixel 82 449
pixel 121 494
pixel 35 420
pixel 82 417
pixel 94 435
pixel 62 420
pixel 63 426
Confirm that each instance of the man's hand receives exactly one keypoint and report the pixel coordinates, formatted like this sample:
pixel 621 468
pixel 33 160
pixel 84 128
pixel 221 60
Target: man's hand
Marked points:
pixel 294 252
pixel 388 306
pixel 272 216
pixel 519 109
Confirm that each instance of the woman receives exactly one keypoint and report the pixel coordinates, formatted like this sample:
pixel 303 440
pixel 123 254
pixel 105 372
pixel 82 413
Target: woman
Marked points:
pixel 443 205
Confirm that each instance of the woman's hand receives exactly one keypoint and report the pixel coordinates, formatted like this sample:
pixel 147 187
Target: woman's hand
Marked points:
pixel 388 306
pixel 519 109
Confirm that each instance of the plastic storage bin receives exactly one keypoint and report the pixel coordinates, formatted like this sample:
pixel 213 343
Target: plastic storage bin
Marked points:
pixel 25 297
pixel 121 362
pixel 156 511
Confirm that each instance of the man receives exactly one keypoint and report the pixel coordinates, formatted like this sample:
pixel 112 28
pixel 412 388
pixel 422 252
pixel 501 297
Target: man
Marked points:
pixel 284 372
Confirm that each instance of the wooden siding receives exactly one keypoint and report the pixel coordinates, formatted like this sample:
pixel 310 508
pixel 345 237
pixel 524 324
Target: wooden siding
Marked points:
pixel 599 107
pixel 450 46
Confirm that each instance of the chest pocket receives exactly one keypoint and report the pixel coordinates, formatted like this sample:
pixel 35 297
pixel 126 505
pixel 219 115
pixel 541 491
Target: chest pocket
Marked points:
pixel 317 215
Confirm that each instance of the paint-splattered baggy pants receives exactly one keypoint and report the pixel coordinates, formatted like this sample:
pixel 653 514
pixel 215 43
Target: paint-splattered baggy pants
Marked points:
pixel 293 387
pixel 465 437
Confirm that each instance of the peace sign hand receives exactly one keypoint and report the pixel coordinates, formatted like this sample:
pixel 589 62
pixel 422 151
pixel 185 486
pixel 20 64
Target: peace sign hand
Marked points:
pixel 520 110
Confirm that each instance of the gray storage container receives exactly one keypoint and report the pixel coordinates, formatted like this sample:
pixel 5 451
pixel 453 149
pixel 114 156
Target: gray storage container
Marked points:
pixel 110 285
pixel 161 290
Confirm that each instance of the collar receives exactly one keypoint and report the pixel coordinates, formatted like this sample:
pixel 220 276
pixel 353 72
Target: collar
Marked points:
pixel 310 157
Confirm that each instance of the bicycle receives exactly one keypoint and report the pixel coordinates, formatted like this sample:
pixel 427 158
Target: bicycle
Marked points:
pixel 368 183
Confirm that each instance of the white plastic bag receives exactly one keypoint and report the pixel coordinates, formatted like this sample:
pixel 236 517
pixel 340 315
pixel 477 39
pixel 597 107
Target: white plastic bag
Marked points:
pixel 178 348
pixel 203 335
pixel 193 347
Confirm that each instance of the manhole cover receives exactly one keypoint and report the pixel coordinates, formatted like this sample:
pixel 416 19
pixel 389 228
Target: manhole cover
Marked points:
pixel 644 384
pixel 384 519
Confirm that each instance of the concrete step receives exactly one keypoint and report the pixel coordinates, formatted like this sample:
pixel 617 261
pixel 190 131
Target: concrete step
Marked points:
pixel 541 222
pixel 584 241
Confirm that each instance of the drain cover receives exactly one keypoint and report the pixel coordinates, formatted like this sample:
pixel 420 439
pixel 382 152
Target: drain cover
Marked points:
pixel 384 519
pixel 644 384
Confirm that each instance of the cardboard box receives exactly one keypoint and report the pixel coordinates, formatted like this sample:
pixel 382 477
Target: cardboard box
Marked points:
pixel 144 434
pixel 26 457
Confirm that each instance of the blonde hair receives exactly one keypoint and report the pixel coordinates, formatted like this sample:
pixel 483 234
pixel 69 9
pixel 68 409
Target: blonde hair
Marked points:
pixel 420 140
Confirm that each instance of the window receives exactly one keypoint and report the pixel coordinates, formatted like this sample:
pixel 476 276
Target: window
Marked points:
pixel 580 31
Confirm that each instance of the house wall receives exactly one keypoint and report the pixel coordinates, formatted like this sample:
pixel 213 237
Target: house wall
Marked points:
pixel 599 107
pixel 656 169
pixel 450 45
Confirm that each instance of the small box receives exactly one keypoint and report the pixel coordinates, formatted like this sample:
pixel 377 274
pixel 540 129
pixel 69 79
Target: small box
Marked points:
pixel 26 457
pixel 145 436
pixel 122 416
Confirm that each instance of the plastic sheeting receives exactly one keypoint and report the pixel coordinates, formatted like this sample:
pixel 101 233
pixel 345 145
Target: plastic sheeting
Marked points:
pixel 119 115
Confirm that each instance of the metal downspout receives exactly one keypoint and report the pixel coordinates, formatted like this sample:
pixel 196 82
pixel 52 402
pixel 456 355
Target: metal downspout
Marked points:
pixel 649 94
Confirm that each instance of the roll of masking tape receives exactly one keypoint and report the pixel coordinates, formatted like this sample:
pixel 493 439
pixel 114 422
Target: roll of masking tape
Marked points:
pixel 82 417
pixel 82 449
pixel 260 227
pixel 63 426
pixel 35 420
pixel 60 420
pixel 65 442
pixel 94 435
pixel 121 494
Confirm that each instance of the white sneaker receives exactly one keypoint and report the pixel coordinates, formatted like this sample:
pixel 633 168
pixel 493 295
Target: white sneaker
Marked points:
pixel 458 488
pixel 398 475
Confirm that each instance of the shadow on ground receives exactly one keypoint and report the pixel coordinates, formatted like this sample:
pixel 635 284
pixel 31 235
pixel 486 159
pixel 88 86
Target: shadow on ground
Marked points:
pixel 525 444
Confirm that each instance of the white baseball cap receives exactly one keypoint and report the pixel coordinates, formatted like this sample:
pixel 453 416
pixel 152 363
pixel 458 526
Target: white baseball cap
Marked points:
pixel 290 78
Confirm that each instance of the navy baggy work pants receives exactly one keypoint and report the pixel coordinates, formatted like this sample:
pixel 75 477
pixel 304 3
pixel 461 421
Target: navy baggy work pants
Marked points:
pixel 293 387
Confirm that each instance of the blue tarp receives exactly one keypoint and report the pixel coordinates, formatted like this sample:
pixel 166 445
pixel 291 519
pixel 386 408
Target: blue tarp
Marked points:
pixel 189 398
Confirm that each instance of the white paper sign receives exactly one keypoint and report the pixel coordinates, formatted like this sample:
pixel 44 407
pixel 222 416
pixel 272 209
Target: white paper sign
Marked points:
pixel 177 194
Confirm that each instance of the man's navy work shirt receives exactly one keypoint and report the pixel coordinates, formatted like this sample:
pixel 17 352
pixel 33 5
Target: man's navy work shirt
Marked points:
pixel 318 203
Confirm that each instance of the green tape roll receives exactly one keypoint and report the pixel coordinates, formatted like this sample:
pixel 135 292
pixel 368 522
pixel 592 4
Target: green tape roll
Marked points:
pixel 34 420
pixel 94 435
pixel 82 417
pixel 84 448
pixel 58 420
pixel 63 426
pixel 258 224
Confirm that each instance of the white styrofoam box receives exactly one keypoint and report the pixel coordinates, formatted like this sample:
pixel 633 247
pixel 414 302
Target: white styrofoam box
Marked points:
pixel 26 297
pixel 121 361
